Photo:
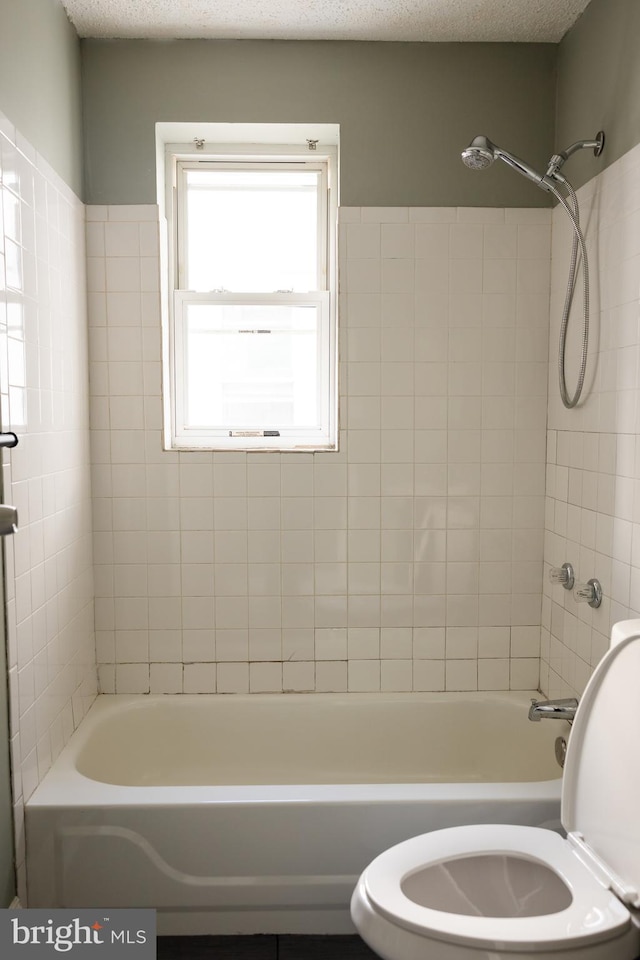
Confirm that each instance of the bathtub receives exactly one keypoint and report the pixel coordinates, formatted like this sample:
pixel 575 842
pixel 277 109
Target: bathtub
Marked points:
pixel 256 814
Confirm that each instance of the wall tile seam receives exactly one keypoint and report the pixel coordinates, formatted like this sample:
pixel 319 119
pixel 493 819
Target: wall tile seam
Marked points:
pixel 137 678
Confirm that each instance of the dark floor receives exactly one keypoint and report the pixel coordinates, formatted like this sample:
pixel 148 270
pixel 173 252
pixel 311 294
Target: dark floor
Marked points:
pixel 263 948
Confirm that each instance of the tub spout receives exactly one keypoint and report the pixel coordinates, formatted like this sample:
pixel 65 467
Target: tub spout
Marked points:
pixel 553 709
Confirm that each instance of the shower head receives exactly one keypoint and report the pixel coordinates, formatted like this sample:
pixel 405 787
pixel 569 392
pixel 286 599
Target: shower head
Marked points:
pixel 481 153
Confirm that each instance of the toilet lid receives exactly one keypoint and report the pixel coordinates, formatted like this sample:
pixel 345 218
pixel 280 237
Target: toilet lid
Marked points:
pixel 601 783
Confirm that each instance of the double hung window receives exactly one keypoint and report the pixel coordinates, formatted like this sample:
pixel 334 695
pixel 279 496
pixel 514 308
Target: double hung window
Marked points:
pixel 252 338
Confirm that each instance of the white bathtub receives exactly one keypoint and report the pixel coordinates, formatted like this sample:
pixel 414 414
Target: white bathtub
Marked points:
pixel 256 814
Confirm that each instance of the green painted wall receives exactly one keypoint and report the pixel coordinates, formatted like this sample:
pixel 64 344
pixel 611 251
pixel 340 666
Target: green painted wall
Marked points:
pixel 40 82
pixel 599 84
pixel 405 110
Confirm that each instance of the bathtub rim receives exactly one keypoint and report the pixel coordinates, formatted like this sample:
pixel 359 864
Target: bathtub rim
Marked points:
pixel 64 786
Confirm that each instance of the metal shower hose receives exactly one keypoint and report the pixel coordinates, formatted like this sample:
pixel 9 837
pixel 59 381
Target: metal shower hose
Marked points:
pixel 578 241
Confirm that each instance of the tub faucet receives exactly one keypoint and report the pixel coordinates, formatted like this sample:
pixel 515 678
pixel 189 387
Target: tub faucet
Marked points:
pixel 553 709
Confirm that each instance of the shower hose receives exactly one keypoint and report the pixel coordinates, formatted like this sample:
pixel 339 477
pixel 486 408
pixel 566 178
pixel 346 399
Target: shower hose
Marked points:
pixel 578 244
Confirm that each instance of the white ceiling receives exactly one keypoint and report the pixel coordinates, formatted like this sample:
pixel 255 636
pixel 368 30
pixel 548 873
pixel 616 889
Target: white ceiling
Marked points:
pixel 430 20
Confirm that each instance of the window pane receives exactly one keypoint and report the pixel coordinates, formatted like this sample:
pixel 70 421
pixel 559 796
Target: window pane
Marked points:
pixel 251 366
pixel 252 230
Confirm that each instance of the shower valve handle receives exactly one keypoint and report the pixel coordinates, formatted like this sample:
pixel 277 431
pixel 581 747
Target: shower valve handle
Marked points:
pixel 563 575
pixel 589 592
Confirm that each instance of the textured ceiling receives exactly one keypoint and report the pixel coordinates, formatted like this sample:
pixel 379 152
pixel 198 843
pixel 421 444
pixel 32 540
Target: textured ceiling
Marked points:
pixel 430 20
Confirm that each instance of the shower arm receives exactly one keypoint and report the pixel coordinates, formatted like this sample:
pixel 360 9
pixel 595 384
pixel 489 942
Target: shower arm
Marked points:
pixel 558 159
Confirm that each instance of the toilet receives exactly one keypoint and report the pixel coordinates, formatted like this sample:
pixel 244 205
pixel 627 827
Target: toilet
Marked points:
pixel 494 891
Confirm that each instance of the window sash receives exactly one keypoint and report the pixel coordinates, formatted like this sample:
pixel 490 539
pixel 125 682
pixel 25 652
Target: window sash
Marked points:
pixel 318 436
pixel 184 166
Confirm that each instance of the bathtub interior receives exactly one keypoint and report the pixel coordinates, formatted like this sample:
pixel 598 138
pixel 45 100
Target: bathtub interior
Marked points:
pixel 330 739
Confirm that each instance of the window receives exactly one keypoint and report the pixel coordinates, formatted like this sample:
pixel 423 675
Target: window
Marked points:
pixel 252 332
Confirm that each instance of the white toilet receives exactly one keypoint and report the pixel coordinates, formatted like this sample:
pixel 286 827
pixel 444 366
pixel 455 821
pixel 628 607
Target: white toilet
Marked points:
pixel 488 892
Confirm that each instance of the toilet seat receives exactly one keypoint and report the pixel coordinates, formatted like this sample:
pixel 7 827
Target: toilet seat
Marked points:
pixel 594 914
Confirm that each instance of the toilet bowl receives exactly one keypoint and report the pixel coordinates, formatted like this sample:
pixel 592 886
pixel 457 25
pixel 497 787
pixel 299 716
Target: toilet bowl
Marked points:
pixel 494 891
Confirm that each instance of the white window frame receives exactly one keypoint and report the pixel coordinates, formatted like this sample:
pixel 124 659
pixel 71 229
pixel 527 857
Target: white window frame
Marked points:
pixel 179 436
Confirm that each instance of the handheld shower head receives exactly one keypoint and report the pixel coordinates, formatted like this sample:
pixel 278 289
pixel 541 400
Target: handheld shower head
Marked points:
pixel 481 153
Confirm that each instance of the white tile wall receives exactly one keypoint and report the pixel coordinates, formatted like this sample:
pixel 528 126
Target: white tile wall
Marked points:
pixel 44 399
pixel 593 485
pixel 412 558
